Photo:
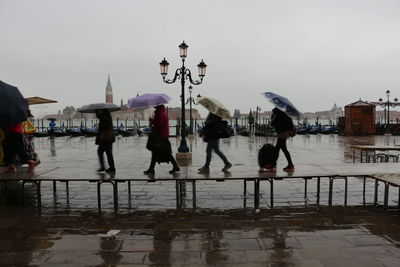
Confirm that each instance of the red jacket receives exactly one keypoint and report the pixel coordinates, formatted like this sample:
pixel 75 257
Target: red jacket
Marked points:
pixel 160 121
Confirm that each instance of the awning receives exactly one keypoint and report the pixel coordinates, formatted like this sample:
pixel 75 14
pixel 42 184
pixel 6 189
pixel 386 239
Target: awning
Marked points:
pixel 36 100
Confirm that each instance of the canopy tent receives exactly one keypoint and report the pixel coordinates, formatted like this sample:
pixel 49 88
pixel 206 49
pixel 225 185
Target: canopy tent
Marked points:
pixel 36 100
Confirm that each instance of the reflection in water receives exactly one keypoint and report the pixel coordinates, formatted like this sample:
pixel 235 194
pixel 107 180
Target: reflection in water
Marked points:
pixel 52 147
pixel 109 248
pixel 171 238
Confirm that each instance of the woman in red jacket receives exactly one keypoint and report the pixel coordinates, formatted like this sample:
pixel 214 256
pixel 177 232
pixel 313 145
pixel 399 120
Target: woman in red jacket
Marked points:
pixel 158 142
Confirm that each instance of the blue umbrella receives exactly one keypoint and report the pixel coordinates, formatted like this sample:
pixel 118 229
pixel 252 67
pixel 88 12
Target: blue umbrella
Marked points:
pixel 13 106
pixel 282 103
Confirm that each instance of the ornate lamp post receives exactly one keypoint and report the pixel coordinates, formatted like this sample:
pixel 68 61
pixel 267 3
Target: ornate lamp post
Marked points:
pixel 388 104
pixel 190 101
pixel 183 74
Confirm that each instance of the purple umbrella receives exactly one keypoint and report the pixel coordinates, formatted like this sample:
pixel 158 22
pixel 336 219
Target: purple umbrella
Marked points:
pixel 148 100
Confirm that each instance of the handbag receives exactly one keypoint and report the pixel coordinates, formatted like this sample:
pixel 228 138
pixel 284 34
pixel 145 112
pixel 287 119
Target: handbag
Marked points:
pixel 223 130
pixel 154 142
pixel 292 132
pixel 28 127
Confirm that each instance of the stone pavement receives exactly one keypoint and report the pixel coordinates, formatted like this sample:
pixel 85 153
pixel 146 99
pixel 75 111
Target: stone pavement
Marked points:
pixel 219 232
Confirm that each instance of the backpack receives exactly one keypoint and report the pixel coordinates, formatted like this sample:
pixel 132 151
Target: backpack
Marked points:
pixel 267 156
pixel 223 130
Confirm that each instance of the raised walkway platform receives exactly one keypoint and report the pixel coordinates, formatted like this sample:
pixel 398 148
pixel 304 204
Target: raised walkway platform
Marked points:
pixel 188 175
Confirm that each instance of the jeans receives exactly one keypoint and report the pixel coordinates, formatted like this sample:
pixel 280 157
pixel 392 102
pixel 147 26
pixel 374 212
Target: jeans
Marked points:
pixel 281 144
pixel 213 144
pixel 100 152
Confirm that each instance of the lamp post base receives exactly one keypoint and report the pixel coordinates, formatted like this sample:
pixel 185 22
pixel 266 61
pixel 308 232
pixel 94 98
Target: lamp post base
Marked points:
pixel 183 158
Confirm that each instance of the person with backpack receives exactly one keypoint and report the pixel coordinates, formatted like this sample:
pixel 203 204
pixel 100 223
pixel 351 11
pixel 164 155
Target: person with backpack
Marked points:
pixel 284 127
pixel 211 135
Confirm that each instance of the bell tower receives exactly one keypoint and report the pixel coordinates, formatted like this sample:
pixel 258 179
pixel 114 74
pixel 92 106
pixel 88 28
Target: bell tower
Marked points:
pixel 109 93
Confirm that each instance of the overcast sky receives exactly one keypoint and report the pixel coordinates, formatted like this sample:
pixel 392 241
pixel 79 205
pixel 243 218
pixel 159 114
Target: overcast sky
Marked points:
pixel 316 53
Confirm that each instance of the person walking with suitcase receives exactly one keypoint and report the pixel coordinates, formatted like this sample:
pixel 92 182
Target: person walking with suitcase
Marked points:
pixel 284 127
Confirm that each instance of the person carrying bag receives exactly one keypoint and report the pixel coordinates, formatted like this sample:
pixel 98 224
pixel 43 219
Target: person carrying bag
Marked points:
pixel 158 142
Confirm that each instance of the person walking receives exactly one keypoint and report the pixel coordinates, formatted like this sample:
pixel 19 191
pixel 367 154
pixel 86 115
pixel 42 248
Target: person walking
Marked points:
pixel 284 127
pixel 104 139
pixel 13 146
pixel 158 142
pixel 210 136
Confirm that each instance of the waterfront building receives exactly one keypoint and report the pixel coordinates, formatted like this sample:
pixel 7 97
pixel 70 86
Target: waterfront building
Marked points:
pixel 359 118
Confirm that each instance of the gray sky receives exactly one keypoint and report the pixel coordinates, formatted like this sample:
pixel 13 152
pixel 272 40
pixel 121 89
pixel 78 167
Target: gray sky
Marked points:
pixel 316 53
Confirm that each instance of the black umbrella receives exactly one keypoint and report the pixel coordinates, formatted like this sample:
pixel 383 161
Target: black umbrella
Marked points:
pixel 13 106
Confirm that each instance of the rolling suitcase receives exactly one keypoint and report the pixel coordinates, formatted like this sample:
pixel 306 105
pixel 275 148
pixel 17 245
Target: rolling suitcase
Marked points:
pixel 267 156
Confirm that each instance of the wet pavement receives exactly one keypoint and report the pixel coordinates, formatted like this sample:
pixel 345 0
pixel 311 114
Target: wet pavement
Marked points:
pixel 147 230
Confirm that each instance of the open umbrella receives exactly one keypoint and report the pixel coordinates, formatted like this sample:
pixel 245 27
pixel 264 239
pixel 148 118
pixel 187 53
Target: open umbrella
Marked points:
pixel 148 100
pixel 91 108
pixel 282 103
pixel 37 100
pixel 214 106
pixel 13 106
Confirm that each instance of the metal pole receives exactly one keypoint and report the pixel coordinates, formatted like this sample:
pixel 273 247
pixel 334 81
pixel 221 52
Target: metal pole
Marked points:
pixel 388 105
pixel 190 110
pixel 183 145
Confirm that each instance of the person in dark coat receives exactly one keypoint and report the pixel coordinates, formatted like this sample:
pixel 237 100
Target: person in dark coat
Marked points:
pixel 13 146
pixel 210 136
pixel 160 134
pixel 284 127
pixel 104 139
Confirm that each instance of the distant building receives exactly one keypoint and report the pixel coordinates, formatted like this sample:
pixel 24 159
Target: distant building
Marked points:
pixel 109 92
pixel 335 112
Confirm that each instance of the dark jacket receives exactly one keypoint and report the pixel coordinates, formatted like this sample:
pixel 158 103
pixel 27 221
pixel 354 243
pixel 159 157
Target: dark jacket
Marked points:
pixel 281 121
pixel 210 130
pixel 105 134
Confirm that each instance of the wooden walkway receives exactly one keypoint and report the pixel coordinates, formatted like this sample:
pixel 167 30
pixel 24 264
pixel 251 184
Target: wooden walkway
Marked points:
pixel 189 175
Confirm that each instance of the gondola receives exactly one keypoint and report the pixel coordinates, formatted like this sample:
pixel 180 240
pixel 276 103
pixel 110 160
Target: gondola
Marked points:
pixel 57 132
pixel 127 132
pixel 89 132
pixel 41 134
pixel 74 132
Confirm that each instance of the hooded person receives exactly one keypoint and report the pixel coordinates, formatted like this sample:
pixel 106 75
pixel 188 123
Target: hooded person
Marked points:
pixel 158 142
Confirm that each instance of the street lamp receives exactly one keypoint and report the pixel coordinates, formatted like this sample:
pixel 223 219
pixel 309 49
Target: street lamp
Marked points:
pixel 388 104
pixel 191 101
pixel 183 74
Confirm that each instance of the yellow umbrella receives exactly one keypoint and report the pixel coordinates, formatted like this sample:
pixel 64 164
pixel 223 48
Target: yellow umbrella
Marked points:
pixel 214 106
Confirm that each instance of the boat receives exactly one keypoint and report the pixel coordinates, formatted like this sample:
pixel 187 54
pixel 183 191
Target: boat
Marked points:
pixel 302 129
pixel 88 132
pixel 58 132
pixel 126 132
pixel 41 134
pixel 74 132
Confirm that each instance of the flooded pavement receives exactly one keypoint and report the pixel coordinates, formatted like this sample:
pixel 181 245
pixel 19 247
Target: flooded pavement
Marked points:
pixel 147 230
pixel 302 236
